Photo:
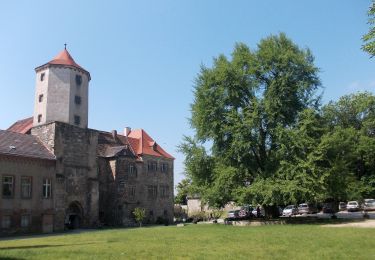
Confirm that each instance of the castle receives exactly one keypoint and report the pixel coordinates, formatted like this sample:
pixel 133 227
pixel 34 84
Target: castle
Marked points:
pixel 56 173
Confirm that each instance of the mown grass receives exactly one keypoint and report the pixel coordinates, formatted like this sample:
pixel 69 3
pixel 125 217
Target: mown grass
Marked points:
pixel 200 242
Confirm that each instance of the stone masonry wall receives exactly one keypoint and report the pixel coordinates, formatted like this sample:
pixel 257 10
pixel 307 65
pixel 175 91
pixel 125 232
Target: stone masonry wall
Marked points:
pixel 76 170
pixel 122 190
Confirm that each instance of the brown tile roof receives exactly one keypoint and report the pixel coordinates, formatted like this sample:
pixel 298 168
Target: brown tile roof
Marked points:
pixel 64 58
pixel 147 145
pixel 22 126
pixel 24 145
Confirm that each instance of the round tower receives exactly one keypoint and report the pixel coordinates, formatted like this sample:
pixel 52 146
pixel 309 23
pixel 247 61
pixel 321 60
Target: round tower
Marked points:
pixel 61 92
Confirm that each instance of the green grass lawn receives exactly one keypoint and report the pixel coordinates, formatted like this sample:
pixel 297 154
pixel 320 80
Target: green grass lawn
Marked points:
pixel 199 242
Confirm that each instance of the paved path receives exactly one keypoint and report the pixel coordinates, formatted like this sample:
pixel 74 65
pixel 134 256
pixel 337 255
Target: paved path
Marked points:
pixel 369 223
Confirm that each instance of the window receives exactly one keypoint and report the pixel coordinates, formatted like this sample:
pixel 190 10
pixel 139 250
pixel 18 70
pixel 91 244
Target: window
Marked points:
pixel 47 189
pixel 6 222
pixel 26 187
pixel 152 166
pixel 25 221
pixel 42 76
pixel 40 98
pixel 131 192
pixel 152 191
pixel 8 186
pixel 77 120
pixel 78 80
pixel 164 167
pixel 151 213
pixel 132 170
pixel 39 118
pixel 77 100
pixel 164 191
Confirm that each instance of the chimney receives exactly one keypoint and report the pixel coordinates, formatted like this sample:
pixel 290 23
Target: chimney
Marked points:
pixel 127 131
pixel 114 134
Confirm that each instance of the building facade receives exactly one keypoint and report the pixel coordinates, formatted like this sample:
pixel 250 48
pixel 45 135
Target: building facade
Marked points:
pixel 56 173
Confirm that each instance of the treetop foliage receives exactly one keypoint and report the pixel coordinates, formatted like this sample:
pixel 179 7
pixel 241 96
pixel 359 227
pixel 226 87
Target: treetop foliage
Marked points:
pixel 272 140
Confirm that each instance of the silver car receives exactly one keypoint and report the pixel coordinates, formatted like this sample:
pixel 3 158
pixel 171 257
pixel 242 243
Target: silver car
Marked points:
pixel 369 204
pixel 290 210
pixel 353 206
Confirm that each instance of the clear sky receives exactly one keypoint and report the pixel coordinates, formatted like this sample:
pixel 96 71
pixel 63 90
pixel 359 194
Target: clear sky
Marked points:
pixel 143 56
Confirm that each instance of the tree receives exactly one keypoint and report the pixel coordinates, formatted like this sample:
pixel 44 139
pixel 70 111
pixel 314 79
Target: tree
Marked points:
pixel 182 192
pixel 239 107
pixel 369 38
pixel 139 215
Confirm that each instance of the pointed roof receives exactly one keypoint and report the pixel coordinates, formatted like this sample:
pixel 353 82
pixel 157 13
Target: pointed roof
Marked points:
pixel 64 58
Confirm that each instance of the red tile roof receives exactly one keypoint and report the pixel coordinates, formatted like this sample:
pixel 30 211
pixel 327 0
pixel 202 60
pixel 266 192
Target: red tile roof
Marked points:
pixel 146 145
pixel 17 144
pixel 22 126
pixel 64 58
pixel 138 140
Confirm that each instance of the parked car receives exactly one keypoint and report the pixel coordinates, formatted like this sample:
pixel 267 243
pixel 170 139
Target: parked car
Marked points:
pixel 290 210
pixel 245 212
pixel 342 206
pixel 330 207
pixel 369 204
pixel 306 208
pixel 353 206
pixel 233 214
pixel 262 212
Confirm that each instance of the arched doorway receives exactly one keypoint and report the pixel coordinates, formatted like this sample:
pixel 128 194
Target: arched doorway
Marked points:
pixel 74 215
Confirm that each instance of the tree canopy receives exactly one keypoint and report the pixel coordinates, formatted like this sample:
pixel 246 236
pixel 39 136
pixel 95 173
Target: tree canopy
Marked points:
pixel 262 135
pixel 369 38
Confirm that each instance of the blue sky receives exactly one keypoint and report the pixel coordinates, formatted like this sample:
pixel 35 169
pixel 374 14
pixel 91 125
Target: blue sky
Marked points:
pixel 143 56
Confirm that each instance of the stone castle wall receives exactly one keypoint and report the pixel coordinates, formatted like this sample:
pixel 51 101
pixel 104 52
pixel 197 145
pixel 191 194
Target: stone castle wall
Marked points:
pixel 76 170
pixel 123 189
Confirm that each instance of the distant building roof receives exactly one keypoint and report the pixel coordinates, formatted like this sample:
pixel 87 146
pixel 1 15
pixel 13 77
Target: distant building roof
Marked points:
pixel 24 145
pixel 22 126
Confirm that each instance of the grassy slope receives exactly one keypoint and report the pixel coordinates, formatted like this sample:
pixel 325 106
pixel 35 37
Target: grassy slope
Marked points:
pixel 200 241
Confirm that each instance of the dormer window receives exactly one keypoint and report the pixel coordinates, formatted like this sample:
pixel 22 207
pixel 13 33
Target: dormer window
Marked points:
pixel 42 76
pixel 78 80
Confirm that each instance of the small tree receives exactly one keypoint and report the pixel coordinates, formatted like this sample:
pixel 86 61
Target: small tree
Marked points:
pixel 139 215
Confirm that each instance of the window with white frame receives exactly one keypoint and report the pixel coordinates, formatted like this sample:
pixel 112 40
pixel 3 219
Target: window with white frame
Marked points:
pixel 26 184
pixel 131 192
pixel 152 191
pixel 6 222
pixel 164 167
pixel 164 191
pixel 47 188
pixel 25 221
pixel 8 186
pixel 152 166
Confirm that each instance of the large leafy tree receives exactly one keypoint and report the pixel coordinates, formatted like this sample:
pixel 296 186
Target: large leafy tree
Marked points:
pixel 240 106
pixel 369 38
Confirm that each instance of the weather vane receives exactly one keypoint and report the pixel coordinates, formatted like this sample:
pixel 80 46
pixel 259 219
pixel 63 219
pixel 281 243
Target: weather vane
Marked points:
pixel 65 46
